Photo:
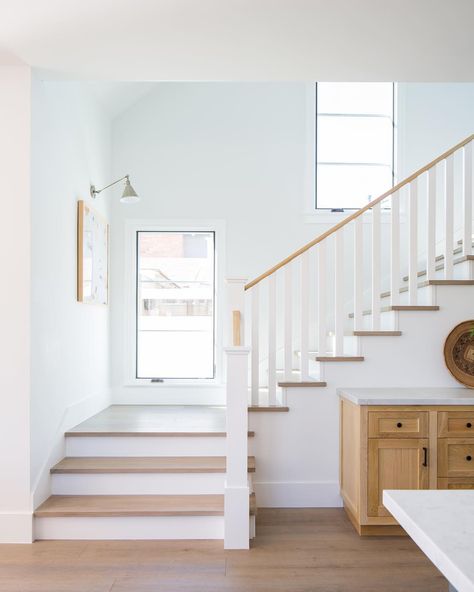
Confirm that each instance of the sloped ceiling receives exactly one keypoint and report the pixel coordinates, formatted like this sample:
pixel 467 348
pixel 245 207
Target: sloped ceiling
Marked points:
pixel 417 40
pixel 117 97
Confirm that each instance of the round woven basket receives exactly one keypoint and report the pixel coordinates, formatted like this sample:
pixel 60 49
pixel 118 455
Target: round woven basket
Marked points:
pixel 459 353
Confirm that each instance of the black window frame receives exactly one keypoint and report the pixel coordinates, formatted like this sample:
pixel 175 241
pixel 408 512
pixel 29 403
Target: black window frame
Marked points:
pixel 159 379
pixel 338 209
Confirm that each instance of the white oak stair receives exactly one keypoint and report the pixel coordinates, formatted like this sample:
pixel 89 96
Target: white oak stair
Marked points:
pixel 103 506
pixel 150 464
pixel 142 472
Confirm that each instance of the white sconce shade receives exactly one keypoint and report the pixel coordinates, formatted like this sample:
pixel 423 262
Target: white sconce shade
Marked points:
pixel 129 194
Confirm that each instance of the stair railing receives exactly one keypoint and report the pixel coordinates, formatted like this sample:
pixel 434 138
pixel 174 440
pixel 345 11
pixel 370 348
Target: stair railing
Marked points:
pixel 308 296
pixel 302 304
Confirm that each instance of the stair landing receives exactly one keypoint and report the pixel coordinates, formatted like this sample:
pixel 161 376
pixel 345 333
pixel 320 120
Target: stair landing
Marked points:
pixel 154 420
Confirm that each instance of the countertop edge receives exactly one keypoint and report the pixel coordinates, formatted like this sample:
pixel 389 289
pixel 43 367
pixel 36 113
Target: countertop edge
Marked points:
pixel 413 400
pixel 437 556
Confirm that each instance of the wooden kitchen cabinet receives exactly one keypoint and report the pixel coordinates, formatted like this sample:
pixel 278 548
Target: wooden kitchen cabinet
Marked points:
pixel 394 464
pixel 401 447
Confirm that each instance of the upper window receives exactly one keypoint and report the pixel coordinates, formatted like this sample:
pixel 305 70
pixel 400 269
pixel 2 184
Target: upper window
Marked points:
pixel 354 143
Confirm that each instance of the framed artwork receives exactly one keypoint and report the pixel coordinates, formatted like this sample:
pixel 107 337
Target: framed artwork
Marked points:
pixel 92 256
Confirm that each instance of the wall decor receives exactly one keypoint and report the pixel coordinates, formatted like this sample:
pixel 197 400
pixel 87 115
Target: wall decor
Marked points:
pixel 92 256
pixel 459 353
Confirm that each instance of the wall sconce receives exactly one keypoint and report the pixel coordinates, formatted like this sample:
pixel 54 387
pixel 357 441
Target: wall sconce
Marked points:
pixel 129 195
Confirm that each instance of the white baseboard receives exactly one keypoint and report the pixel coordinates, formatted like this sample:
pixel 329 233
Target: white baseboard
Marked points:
pixel 16 527
pixel 298 494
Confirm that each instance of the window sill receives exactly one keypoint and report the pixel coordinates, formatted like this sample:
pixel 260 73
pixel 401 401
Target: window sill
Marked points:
pixel 332 218
pixel 174 383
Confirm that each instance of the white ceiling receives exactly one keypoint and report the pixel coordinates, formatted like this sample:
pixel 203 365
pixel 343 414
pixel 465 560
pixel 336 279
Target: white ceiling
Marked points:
pixel 417 40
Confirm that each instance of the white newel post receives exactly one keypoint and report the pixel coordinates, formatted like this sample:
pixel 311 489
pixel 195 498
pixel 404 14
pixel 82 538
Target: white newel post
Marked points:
pixel 236 490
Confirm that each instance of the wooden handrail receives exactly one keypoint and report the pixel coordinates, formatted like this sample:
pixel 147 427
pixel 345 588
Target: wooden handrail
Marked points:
pixel 358 213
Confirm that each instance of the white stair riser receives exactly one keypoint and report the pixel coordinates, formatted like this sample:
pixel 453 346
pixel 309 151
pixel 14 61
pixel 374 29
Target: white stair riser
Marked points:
pixel 130 528
pixel 138 483
pixel 145 446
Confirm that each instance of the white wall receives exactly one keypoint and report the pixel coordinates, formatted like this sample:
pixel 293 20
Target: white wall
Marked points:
pixel 15 111
pixel 70 340
pixel 432 118
pixel 232 152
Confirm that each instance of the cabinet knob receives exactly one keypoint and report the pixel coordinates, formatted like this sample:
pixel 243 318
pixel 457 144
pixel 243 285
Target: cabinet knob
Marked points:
pixel 469 424
pixel 399 424
pixel 468 457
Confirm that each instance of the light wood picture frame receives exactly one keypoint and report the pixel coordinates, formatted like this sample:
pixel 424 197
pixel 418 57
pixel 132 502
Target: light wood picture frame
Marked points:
pixel 92 256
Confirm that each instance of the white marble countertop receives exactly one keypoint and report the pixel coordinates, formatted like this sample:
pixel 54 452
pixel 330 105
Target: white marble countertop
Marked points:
pixel 441 522
pixel 408 396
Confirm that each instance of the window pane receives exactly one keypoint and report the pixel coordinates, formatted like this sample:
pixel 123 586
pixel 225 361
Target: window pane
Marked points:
pixel 354 139
pixel 350 186
pixel 175 307
pixel 352 97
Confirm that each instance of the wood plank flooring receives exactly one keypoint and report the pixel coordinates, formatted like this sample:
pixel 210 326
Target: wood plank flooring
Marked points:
pixel 297 550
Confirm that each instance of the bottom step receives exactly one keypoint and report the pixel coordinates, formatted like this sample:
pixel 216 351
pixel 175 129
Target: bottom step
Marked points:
pixel 133 517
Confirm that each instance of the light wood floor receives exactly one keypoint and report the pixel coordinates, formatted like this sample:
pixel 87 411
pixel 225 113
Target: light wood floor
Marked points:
pixel 296 550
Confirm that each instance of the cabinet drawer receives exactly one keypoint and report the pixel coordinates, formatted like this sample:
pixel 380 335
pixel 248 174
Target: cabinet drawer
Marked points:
pixel 456 424
pixel 398 424
pixel 459 483
pixel 456 457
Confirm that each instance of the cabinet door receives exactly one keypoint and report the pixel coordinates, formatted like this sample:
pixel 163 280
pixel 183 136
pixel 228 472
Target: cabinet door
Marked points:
pixel 395 464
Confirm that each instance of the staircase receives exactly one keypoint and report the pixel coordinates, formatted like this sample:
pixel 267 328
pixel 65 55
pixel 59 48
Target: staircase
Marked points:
pixel 367 303
pixel 320 305
pixel 141 472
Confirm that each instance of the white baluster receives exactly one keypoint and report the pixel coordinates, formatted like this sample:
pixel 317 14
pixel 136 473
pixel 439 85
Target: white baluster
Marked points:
pixel 395 250
pixel 288 328
pixel 448 217
pixel 304 328
pixel 255 346
pixel 358 273
pixel 467 200
pixel 339 293
pixel 376 228
pixel 322 337
pixel 413 243
pixel 431 230
pixel 272 319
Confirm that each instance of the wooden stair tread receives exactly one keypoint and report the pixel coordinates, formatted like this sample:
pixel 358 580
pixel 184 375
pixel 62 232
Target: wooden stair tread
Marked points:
pixel 414 307
pixel 377 333
pixel 296 383
pixel 150 464
pixel 145 434
pixel 440 266
pixel 134 505
pixel 450 282
pixel 432 283
pixel 271 408
pixel 340 358
pixel 400 307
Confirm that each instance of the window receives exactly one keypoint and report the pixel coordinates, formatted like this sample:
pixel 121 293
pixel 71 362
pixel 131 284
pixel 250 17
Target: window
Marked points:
pixel 175 305
pixel 354 143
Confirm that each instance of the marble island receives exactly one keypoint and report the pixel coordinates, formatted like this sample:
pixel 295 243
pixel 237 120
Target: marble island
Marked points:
pixel 408 396
pixel 442 524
